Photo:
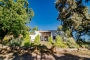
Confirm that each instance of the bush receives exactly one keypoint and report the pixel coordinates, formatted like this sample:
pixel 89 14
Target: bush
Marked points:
pixel 37 40
pixel 59 42
pixel 15 42
pixel 27 44
pixel 87 46
pixel 84 44
pixel 71 43
pixel 26 41
pixel 50 40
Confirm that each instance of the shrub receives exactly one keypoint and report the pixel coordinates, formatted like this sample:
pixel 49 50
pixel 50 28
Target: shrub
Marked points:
pixel 37 40
pixel 59 42
pixel 84 44
pixel 26 41
pixel 50 40
pixel 27 44
pixel 87 46
pixel 15 42
pixel 71 43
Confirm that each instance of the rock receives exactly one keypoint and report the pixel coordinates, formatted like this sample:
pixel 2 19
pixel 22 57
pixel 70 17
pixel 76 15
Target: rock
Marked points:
pixel 17 47
pixel 8 49
pixel 5 47
pixel 26 51
pixel 3 52
pixel 2 56
pixel 10 55
pixel 22 51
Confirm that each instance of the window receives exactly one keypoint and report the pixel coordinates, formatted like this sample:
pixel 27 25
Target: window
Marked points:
pixel 54 37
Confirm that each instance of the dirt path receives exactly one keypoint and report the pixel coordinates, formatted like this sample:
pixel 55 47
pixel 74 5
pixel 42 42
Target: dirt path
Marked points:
pixel 45 56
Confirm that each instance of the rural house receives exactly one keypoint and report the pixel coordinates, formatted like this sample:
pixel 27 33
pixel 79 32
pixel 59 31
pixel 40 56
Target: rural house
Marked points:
pixel 44 35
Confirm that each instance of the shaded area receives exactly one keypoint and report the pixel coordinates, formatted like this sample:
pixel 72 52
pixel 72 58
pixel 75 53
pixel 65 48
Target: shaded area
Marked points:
pixel 41 53
pixel 67 56
pixel 25 56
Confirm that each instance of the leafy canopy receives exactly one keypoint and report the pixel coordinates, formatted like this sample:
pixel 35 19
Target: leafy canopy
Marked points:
pixel 14 15
pixel 74 16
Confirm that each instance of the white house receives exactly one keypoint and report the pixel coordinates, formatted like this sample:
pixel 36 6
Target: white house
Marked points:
pixel 45 34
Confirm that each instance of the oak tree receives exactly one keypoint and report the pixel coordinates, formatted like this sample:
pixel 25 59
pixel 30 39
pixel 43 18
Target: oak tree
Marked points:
pixel 74 15
pixel 14 15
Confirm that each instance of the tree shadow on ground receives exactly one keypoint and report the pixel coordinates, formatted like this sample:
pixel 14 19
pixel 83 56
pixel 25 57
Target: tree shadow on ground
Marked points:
pixel 53 56
pixel 24 56
pixel 50 55
pixel 42 49
pixel 43 53
pixel 46 54
pixel 67 56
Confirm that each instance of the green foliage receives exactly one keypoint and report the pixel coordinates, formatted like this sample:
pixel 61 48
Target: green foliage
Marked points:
pixel 27 44
pixel 35 28
pixel 50 40
pixel 37 40
pixel 71 43
pixel 15 42
pixel 84 44
pixel 59 42
pixel 26 41
pixel 68 33
pixel 60 28
pixel 74 15
pixel 14 15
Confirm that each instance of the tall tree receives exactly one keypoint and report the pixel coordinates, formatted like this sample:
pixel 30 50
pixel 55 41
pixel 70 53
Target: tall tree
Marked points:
pixel 74 16
pixel 14 15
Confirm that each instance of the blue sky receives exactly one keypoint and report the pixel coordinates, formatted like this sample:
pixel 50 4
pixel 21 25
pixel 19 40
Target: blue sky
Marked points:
pixel 45 14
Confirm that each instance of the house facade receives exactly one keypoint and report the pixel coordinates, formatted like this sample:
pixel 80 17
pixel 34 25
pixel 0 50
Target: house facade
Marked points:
pixel 44 35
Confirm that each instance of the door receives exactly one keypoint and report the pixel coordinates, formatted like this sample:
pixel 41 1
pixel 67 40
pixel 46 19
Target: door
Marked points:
pixel 45 38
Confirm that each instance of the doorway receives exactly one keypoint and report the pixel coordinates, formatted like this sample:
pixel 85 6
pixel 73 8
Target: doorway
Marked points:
pixel 45 38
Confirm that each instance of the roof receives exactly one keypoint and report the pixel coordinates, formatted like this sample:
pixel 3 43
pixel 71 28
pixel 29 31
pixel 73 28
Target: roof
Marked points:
pixel 47 30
